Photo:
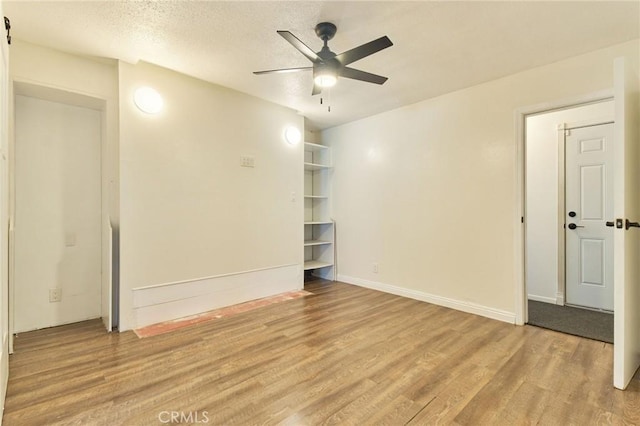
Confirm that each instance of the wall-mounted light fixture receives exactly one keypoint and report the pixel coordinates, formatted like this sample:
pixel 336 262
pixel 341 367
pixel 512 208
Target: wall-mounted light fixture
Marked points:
pixel 148 100
pixel 292 135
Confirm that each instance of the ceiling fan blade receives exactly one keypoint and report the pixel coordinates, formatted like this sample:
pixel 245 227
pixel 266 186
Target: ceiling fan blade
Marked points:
pixel 283 70
pixel 362 76
pixel 364 50
pixel 316 89
pixel 303 48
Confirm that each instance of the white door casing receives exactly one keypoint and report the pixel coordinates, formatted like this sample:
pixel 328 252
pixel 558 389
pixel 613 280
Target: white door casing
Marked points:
pixel 588 206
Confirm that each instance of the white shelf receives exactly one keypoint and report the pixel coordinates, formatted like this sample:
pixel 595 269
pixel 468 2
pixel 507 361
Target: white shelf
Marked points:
pixel 313 166
pixel 308 146
pixel 319 232
pixel 310 243
pixel 315 264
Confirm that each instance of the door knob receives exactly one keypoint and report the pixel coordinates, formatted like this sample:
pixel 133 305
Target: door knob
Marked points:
pixel 572 214
pixel 628 224
pixel 574 226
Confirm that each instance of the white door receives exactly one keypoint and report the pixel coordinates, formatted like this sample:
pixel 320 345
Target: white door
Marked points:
pixel 626 336
pixel 4 216
pixel 58 241
pixel 589 205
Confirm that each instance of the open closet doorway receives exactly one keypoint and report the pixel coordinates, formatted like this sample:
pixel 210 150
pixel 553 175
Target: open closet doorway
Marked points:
pixel 568 200
pixel 61 247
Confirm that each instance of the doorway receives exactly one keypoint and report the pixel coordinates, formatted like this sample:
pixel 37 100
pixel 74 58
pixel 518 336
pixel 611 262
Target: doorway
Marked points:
pixel 552 251
pixel 58 245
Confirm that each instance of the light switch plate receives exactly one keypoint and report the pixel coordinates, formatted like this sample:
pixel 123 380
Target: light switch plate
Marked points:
pixel 70 239
pixel 247 161
pixel 55 295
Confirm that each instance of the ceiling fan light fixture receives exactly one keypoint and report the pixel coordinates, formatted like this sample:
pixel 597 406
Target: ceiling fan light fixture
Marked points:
pixel 325 79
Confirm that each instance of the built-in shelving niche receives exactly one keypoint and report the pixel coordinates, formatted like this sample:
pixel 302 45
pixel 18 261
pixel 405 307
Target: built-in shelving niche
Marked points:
pixel 319 228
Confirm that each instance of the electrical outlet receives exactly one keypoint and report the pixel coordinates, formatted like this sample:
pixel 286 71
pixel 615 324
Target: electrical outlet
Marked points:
pixel 375 268
pixel 69 239
pixel 247 161
pixel 55 295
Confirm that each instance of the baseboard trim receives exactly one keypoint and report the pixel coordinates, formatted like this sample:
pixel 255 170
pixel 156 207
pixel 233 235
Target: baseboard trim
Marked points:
pixel 544 299
pixel 211 277
pixel 468 307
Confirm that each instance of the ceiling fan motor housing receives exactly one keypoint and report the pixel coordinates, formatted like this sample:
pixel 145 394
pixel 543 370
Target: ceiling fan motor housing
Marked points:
pixel 326 31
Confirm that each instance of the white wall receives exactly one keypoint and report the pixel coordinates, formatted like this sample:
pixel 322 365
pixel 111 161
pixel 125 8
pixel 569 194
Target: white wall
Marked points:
pixel 196 223
pixel 428 191
pixel 58 213
pixel 541 197
pixel 197 230
pixel 58 76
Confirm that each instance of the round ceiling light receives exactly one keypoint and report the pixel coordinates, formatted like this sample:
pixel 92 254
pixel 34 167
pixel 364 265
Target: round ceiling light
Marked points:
pixel 148 100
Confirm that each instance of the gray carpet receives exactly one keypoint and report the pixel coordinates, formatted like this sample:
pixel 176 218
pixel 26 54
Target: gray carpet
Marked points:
pixel 579 322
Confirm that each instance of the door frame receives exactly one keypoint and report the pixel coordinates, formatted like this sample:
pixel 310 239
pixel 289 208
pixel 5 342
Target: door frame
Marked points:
pixel 520 293
pixel 55 94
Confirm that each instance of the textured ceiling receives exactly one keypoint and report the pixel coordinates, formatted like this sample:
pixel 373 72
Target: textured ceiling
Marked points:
pixel 438 47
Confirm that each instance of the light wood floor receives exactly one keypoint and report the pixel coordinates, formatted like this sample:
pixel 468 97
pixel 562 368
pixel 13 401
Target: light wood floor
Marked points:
pixel 345 355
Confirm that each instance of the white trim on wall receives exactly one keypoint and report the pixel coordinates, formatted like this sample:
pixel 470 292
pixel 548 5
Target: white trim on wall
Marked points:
pixel 520 290
pixel 459 305
pixel 181 282
pixel 561 215
pixel 544 299
pixel 168 301
pixel 558 300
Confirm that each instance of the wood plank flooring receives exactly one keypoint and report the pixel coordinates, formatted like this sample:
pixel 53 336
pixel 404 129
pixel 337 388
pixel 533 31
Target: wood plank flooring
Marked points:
pixel 344 355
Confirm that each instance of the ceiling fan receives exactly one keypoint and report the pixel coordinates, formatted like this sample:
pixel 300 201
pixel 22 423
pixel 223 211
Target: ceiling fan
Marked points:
pixel 327 66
